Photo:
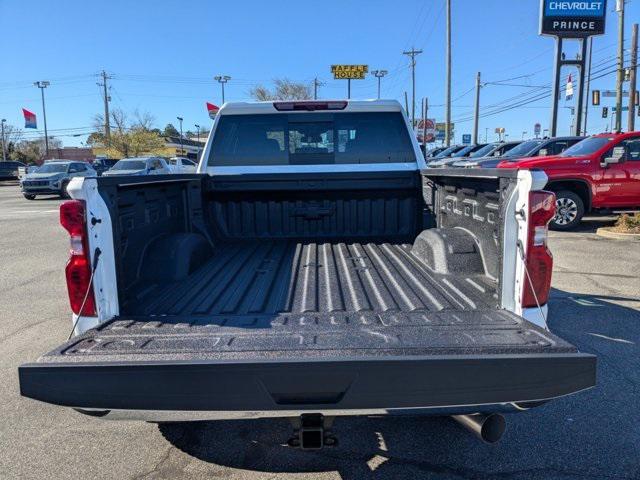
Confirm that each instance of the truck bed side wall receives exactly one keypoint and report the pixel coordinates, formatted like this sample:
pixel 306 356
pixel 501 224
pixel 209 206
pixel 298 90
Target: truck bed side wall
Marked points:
pixel 475 204
pixel 143 210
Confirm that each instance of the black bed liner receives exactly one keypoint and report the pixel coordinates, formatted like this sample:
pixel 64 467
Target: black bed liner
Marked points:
pixel 303 325
pixel 285 277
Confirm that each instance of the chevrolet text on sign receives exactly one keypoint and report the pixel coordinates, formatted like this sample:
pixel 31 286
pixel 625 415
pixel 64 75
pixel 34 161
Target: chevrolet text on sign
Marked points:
pixel 572 19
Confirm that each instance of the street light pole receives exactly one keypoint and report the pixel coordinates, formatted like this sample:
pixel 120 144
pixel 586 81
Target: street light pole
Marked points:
pixel 198 137
pixel 4 149
pixel 42 85
pixel 379 74
pixel 180 119
pixel 222 79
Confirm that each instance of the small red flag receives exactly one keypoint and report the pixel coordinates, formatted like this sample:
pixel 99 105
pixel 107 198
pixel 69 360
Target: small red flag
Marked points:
pixel 212 109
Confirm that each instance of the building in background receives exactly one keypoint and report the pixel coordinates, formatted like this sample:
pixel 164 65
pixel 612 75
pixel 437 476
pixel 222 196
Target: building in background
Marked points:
pixel 73 153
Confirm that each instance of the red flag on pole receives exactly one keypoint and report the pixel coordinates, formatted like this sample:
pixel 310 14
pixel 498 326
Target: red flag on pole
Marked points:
pixel 29 119
pixel 212 109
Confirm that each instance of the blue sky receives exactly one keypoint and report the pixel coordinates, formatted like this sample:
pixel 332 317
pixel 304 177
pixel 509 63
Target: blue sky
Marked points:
pixel 163 56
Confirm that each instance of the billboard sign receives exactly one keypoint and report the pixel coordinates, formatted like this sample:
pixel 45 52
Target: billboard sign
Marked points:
pixel 441 128
pixel 466 139
pixel 572 18
pixel 349 72
pixel 430 129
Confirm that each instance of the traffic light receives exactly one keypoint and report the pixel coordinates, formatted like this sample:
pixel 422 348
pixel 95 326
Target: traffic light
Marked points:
pixel 595 97
pixel 605 112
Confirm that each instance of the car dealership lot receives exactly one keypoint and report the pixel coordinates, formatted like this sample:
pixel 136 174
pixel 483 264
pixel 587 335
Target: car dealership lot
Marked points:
pixel 595 305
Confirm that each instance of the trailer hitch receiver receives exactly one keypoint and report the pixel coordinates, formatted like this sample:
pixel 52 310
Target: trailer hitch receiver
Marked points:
pixel 311 431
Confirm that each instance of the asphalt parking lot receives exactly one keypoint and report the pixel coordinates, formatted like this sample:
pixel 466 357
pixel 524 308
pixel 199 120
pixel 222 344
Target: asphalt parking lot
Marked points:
pixel 595 304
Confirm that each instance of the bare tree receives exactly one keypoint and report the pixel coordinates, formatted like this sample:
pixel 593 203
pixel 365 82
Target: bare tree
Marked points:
pixel 34 151
pixel 284 89
pixel 143 120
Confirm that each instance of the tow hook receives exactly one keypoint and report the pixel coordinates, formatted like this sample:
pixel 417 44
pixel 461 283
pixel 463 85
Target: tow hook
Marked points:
pixel 311 431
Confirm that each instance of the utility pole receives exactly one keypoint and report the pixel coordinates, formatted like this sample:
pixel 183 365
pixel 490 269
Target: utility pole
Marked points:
pixel 42 85
pixel 631 122
pixel 107 99
pixel 180 119
pixel 316 83
pixel 447 121
pixel 476 118
pixel 4 149
pixel 412 53
pixel 198 137
pixel 620 79
pixel 586 103
pixel 222 79
pixel 379 74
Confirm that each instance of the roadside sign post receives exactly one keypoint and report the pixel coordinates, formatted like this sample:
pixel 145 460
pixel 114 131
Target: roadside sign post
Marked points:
pixel 348 73
pixel 571 20
pixel 466 139
pixel 536 130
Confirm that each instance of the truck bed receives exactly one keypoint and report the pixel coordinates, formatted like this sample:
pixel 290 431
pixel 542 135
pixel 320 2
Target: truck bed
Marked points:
pixel 311 299
pixel 297 300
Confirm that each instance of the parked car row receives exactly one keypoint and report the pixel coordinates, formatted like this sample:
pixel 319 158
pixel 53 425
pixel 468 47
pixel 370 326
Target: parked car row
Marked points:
pixel 593 174
pixel 53 177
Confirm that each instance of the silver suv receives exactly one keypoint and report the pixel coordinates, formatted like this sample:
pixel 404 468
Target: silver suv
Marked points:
pixel 53 177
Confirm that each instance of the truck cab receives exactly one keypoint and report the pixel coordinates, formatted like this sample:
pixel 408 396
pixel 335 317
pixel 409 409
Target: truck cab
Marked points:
pixel 599 174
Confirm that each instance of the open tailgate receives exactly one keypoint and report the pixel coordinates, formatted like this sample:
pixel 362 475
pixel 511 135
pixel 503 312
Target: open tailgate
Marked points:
pixel 325 362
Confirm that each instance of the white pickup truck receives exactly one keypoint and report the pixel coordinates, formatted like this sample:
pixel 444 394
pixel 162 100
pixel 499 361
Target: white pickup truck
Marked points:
pixel 312 268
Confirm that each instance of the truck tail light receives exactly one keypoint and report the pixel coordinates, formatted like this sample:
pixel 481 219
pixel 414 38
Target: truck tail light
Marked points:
pixel 78 269
pixel 538 260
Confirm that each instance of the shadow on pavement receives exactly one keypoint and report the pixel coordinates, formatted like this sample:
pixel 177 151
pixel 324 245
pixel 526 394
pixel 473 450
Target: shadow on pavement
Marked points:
pixel 590 434
pixel 591 224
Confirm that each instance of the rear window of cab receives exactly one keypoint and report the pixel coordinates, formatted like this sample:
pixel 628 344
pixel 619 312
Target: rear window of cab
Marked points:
pixel 311 139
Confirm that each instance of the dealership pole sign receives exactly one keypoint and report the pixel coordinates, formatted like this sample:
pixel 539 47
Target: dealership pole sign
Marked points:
pixel 572 19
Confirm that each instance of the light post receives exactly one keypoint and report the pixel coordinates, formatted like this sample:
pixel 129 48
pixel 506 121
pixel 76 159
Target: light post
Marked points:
pixel 523 134
pixel 222 79
pixel 42 85
pixel 198 137
pixel 4 149
pixel 180 119
pixel 379 74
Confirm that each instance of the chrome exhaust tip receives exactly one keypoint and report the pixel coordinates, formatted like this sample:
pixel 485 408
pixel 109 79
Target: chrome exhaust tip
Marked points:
pixel 488 428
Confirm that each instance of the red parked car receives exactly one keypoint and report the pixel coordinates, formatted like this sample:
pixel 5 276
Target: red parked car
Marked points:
pixel 599 174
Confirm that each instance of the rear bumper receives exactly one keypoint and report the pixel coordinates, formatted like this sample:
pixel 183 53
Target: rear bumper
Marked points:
pixel 284 386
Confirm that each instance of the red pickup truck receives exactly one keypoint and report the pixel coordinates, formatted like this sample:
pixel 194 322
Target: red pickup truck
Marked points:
pixel 601 174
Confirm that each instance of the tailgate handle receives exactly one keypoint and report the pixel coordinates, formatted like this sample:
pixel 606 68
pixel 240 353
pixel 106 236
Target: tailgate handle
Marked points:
pixel 312 398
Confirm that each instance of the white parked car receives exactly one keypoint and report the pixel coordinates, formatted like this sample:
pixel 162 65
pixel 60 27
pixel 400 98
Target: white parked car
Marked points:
pixel 182 165
pixel 139 166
